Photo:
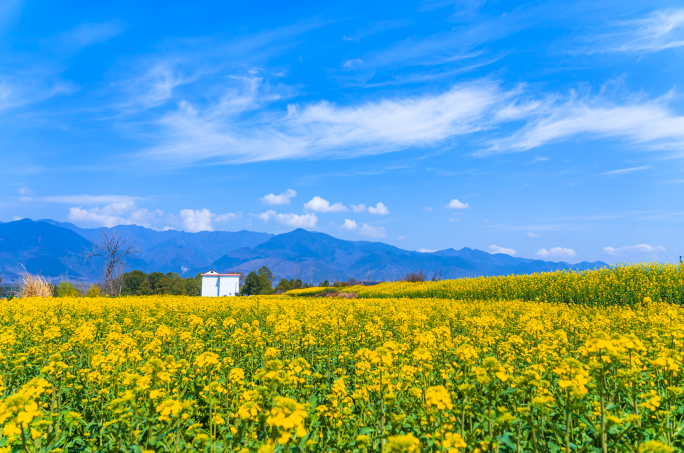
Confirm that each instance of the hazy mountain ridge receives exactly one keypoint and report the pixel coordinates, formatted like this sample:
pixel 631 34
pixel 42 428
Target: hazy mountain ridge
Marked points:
pixel 172 250
pixel 314 257
pixel 55 249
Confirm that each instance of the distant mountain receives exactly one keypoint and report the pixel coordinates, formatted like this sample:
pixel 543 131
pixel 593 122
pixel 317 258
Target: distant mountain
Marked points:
pixel 42 249
pixel 314 257
pixel 55 250
pixel 175 251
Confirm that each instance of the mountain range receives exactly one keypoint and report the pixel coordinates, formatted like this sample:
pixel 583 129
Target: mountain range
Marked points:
pixel 55 250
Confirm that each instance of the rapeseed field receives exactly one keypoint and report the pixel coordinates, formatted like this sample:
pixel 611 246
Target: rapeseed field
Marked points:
pixel 617 285
pixel 278 373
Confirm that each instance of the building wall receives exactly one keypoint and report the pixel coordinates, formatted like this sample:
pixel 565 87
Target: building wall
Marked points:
pixel 225 285
pixel 210 286
pixel 229 285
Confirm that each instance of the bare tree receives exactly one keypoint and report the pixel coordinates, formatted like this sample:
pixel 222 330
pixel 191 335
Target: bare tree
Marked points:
pixel 113 248
pixel 436 276
pixel 414 277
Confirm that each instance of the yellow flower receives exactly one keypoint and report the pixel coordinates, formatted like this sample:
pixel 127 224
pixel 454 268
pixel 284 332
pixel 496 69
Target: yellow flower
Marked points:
pixel 403 444
pixel 653 446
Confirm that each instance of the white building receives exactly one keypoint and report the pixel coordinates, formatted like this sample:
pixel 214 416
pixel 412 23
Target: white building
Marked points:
pixel 217 285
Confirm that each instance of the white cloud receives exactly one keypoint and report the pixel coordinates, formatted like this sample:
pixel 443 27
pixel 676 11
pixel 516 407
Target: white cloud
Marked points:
pixel 266 215
pixel 299 221
pixel 635 120
pixel 658 31
pixel 623 171
pixel 25 191
pixel 428 209
pixel 426 250
pixel 127 213
pixel 16 217
pixel 349 225
pixel 197 220
pixel 318 204
pixel 532 235
pixel 28 87
pixel 556 252
pixel 88 34
pixel 220 132
pixel 283 198
pixel 485 220
pixel 358 207
pixel 379 209
pixel 540 159
pixel 123 213
pixel 227 217
pixel 25 199
pixel 352 63
pixel 372 232
pixel 240 125
pixel 455 204
pixel 638 248
pixel 89 199
pixel 504 250
pixel 402 237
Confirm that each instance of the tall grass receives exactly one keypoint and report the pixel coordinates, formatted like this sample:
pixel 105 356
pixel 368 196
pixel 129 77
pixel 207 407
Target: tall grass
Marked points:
pixel 34 286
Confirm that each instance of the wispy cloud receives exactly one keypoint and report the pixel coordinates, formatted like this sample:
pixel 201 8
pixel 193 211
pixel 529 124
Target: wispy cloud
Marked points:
pixel 639 121
pixel 21 87
pixel 631 249
pixel 660 30
pixel 375 28
pixel 234 131
pixel 88 34
pixel 242 127
pixel 89 199
pixel 623 171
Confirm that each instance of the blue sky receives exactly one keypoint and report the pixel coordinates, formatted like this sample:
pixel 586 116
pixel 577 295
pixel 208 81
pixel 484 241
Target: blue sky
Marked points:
pixel 542 129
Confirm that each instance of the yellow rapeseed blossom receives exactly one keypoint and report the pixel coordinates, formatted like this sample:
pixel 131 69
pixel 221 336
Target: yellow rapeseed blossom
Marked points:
pixel 376 373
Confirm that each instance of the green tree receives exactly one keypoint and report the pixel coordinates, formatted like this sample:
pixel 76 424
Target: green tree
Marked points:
pixel 193 286
pixel 132 282
pixel 259 282
pixel 283 285
pixel 94 291
pixel 252 286
pixel 67 289
pixel 267 280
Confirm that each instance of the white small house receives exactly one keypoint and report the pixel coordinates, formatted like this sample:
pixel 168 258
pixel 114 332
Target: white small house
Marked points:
pixel 217 285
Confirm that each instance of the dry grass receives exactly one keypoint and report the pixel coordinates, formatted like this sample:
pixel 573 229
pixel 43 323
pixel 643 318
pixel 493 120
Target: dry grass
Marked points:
pixel 34 286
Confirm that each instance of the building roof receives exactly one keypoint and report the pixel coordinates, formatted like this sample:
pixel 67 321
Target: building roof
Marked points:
pixel 213 273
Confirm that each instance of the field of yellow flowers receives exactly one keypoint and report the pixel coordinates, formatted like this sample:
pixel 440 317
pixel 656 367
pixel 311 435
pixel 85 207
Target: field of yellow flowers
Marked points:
pixel 618 285
pixel 267 374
